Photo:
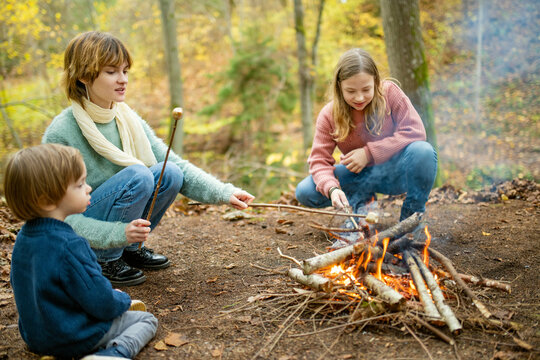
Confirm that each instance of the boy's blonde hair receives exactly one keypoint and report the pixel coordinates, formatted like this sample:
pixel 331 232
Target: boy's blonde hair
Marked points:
pixel 85 56
pixel 353 62
pixel 38 176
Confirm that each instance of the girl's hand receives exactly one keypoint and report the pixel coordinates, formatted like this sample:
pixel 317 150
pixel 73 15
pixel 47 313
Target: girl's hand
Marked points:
pixel 339 199
pixel 137 231
pixel 240 199
pixel 355 160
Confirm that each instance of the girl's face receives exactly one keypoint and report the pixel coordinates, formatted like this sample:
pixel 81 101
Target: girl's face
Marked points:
pixel 109 86
pixel 358 90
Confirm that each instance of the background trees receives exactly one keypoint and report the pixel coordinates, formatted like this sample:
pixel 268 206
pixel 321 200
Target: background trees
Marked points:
pixel 240 82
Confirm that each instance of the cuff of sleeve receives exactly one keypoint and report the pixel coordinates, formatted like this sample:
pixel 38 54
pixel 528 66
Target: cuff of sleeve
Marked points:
pixel 369 157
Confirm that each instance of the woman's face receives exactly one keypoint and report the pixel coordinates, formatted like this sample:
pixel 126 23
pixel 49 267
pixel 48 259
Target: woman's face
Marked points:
pixel 109 86
pixel 358 90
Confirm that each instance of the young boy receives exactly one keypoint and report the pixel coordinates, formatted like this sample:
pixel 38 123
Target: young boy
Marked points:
pixel 67 308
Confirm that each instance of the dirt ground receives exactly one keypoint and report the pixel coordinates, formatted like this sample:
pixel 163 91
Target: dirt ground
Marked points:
pixel 205 300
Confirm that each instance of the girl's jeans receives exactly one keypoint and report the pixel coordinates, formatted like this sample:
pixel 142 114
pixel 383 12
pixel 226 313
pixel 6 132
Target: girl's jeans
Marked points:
pixel 411 171
pixel 132 330
pixel 127 196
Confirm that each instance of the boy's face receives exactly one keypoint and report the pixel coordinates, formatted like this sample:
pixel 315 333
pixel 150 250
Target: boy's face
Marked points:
pixel 77 197
pixel 109 86
pixel 358 90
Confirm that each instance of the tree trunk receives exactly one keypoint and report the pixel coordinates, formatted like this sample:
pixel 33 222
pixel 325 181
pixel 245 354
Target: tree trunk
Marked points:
pixel 304 75
pixel 405 51
pixel 174 70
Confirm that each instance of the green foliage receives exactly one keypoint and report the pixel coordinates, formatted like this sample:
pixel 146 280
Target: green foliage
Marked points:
pixel 481 177
pixel 255 88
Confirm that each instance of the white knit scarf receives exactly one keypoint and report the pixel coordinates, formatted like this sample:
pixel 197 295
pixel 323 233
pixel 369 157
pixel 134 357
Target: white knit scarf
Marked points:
pixel 137 149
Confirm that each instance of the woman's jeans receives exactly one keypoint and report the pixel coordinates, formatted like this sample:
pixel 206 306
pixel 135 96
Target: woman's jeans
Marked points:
pixel 411 171
pixel 127 196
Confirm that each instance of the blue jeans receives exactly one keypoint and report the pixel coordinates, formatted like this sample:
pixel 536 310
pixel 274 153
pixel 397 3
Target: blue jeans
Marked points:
pixel 127 196
pixel 411 171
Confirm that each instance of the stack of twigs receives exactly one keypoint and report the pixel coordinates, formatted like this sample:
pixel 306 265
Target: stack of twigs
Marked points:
pixel 340 302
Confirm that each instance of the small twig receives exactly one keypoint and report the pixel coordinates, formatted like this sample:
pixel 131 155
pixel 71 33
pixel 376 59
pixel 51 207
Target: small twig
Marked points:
pixel 343 325
pixel 269 270
pixel 299 208
pixel 419 341
pixel 289 258
pixel 433 329
pixel 331 229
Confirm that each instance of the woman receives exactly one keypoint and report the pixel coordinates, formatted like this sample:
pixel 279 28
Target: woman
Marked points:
pixel 124 159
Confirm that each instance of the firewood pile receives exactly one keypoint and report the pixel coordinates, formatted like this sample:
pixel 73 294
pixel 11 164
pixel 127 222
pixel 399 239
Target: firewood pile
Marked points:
pixel 392 277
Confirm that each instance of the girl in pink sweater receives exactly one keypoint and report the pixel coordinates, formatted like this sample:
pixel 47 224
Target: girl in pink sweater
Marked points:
pixel 381 138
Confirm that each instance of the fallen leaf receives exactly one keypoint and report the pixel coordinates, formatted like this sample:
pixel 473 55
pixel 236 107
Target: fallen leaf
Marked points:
pixel 285 222
pixel 217 352
pixel 230 266
pixel 175 339
pixel 485 233
pixel 213 280
pixel 160 346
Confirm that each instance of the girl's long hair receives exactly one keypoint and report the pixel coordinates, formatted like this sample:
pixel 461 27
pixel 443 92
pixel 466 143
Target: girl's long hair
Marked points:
pixel 351 63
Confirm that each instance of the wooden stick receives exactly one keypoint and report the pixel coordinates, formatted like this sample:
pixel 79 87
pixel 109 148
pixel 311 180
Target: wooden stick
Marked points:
pixel 177 115
pixel 292 207
pixel 429 307
pixel 475 280
pixel 433 329
pixel 318 262
pixel 314 281
pixel 438 297
pixel 318 226
pixel 388 295
pixel 453 272
pixel 288 257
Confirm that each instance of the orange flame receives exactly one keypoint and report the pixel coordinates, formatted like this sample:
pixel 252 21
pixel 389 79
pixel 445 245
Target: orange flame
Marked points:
pixel 428 241
pixel 380 260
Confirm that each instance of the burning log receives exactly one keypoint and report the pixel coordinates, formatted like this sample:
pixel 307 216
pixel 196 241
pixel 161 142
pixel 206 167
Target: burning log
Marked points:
pixel 453 272
pixel 438 297
pixel 388 295
pixel 314 281
pixel 429 307
pixel 324 260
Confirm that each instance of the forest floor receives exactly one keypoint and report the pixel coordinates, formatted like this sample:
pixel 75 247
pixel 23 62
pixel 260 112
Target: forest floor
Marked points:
pixel 213 304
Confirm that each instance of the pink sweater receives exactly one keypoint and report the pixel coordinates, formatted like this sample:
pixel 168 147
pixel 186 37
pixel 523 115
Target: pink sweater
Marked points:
pixel 400 128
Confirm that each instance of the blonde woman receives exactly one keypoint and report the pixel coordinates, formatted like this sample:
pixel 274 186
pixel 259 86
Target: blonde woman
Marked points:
pixel 124 159
pixel 381 138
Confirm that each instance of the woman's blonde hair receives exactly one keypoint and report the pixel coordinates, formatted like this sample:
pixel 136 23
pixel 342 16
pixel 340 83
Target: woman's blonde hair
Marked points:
pixel 353 62
pixel 40 175
pixel 85 56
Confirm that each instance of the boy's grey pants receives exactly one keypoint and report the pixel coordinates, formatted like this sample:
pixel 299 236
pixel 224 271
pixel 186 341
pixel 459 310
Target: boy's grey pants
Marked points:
pixel 132 330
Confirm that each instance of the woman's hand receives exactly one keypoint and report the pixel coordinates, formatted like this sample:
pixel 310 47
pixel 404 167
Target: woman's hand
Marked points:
pixel 339 199
pixel 240 199
pixel 137 231
pixel 355 160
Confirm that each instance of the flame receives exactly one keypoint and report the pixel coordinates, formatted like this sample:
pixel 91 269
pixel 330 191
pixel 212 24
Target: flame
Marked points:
pixel 380 260
pixel 428 241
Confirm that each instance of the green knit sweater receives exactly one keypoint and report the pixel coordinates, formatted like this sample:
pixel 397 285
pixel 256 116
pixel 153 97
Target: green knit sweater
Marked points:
pixel 198 185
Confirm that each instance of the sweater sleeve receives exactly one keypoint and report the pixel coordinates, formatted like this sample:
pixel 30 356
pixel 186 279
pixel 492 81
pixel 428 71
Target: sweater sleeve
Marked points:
pixel 198 184
pixel 321 162
pixel 100 234
pixel 88 287
pixel 408 126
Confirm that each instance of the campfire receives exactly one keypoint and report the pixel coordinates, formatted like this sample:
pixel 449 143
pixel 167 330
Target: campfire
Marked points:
pixel 393 275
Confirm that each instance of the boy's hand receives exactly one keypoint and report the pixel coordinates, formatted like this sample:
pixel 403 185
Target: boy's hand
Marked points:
pixel 355 160
pixel 137 231
pixel 240 199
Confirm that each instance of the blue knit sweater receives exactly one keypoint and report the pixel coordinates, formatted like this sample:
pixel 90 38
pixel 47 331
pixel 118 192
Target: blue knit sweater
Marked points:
pixel 65 304
pixel 198 184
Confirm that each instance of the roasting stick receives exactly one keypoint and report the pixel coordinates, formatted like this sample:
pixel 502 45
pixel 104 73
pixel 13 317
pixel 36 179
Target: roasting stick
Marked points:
pixel 177 115
pixel 292 207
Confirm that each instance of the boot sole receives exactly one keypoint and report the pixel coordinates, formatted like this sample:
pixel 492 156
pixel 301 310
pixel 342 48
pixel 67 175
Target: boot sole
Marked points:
pixel 151 267
pixel 131 282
